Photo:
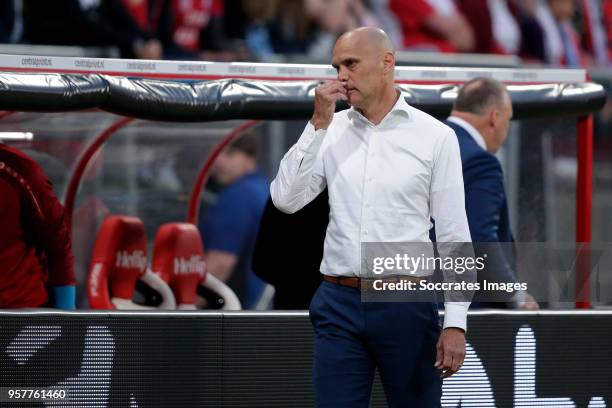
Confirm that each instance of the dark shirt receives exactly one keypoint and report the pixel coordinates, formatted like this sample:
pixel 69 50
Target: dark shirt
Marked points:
pixel 67 22
pixel 289 250
pixel 7 20
pixel 231 225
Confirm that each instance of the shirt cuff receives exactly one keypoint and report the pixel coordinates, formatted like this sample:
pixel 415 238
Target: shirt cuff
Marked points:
pixel 518 298
pixel 311 139
pixel 455 315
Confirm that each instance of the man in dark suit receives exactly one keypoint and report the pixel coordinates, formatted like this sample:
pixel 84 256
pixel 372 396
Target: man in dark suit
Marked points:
pixel 480 118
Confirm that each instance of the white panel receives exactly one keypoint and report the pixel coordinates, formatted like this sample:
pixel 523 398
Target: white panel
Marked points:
pixel 207 70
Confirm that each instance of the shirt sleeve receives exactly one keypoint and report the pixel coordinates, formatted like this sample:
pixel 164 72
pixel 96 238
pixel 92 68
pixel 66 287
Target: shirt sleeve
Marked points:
pixel 447 203
pixel 49 228
pixel 301 174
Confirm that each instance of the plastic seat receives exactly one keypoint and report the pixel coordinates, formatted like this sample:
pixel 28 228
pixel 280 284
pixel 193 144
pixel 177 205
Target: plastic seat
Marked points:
pixel 178 258
pixel 119 260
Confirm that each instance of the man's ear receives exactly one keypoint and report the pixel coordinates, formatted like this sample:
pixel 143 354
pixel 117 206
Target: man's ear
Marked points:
pixel 493 117
pixel 388 63
pixel 250 163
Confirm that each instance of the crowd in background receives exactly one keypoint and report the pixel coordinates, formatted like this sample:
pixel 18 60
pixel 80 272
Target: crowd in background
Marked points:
pixel 570 33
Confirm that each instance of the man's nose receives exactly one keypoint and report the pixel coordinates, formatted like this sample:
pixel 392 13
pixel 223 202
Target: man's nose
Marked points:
pixel 342 74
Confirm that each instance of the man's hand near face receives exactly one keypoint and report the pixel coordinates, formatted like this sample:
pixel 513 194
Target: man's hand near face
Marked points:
pixel 326 96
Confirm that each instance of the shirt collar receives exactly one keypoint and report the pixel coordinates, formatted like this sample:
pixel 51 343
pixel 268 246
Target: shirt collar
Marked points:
pixel 401 107
pixel 470 129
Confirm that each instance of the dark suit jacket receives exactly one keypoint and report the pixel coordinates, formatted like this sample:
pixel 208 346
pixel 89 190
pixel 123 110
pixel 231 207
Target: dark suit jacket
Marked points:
pixel 289 250
pixel 486 207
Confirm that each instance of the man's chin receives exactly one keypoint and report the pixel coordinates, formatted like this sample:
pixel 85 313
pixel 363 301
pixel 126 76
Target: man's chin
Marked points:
pixel 354 102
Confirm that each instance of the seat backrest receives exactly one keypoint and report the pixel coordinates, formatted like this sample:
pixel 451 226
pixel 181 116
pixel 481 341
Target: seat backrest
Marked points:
pixel 119 259
pixel 178 258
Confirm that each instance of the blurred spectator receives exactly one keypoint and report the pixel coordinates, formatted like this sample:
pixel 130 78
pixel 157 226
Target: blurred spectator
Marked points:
pixel 557 32
pixel 362 14
pixel 478 15
pixel 293 26
pixel 495 27
pixel 562 45
pixel 150 19
pixel 506 31
pixel 433 27
pixel 292 32
pixel 387 21
pixel 607 17
pixel 11 24
pixel 198 30
pixel 553 44
pixel 532 48
pixel 332 18
pixel 71 22
pixel 246 23
pixel 443 7
pixel 230 226
pixel 191 17
pixel 338 16
pixel 594 35
pixel 36 261
pixel 234 20
pixel 140 28
pixel 564 12
pixel 7 20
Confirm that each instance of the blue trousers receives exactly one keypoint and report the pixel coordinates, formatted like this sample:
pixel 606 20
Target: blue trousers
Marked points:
pixel 352 338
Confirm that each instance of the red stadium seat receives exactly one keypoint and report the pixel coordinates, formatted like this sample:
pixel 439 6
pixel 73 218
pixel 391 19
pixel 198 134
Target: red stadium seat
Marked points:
pixel 178 258
pixel 119 260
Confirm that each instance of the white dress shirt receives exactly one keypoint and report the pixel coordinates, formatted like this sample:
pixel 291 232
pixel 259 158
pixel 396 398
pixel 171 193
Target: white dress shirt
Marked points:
pixel 384 182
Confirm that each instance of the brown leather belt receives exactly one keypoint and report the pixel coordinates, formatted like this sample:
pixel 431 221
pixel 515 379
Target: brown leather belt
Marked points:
pixel 355 282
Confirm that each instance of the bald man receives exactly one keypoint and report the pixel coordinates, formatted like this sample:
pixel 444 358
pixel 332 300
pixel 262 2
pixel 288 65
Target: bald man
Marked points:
pixel 389 168
pixel 480 118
